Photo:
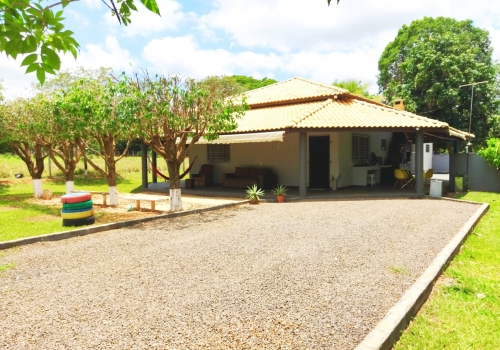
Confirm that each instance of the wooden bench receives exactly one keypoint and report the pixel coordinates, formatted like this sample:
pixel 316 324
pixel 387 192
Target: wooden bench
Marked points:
pixel 104 195
pixel 145 197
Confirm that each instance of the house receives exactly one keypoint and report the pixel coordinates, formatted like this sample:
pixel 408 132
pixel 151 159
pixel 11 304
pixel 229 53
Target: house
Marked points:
pixel 307 132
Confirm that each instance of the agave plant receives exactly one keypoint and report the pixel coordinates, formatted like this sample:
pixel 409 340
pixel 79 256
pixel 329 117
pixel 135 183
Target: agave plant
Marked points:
pixel 254 193
pixel 280 190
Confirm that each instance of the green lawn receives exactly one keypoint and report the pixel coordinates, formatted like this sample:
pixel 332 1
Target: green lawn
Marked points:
pixel 464 311
pixel 19 218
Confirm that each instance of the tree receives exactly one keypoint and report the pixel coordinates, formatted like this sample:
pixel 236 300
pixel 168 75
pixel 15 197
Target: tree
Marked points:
pixel 429 60
pixel 249 83
pixel 175 112
pixel 24 130
pixel 99 121
pixel 354 87
pixel 491 153
pixel 28 28
pixel 64 126
pixel 494 121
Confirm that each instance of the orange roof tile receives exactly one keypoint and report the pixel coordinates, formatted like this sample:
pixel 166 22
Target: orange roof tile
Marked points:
pixel 290 90
pixel 303 104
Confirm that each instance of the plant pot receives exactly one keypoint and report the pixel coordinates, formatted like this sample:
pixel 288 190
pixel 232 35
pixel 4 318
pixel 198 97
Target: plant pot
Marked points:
pixel 460 184
pixel 333 185
pixel 254 201
pixel 281 199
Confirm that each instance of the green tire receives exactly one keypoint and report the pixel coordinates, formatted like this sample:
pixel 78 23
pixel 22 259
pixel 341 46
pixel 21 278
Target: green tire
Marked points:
pixel 80 205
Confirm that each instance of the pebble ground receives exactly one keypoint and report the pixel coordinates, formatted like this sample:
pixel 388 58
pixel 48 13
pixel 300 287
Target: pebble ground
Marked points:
pixel 298 275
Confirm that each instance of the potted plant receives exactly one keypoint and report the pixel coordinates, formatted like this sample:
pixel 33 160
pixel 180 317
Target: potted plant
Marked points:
pixel 460 182
pixel 280 192
pixel 254 194
pixel 334 182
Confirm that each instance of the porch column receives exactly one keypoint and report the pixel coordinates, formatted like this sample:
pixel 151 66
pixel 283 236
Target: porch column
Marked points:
pixel 419 163
pixel 303 164
pixel 453 165
pixel 144 165
pixel 153 160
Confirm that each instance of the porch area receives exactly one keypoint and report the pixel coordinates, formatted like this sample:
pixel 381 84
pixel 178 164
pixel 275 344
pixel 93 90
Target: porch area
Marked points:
pixel 379 191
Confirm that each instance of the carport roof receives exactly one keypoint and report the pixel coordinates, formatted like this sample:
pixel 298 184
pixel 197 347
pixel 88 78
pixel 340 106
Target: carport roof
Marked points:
pixel 301 104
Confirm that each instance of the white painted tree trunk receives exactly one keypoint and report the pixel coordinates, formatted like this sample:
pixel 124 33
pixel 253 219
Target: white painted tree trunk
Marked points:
pixel 70 186
pixel 37 188
pixel 113 195
pixel 175 200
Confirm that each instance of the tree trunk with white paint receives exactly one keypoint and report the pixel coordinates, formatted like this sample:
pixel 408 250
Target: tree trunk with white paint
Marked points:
pixel 113 196
pixel 175 186
pixel 70 186
pixel 37 188
pixel 175 200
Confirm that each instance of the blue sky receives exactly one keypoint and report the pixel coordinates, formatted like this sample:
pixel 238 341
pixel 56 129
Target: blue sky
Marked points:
pixel 278 39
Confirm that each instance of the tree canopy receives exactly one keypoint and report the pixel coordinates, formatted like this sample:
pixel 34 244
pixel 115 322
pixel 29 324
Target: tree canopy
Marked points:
pixel 29 28
pixel 354 87
pixel 427 63
pixel 249 83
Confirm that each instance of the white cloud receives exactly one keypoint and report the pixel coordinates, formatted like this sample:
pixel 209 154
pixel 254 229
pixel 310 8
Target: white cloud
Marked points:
pixel 291 25
pixel 93 4
pixel 144 22
pixel 15 82
pixel 182 55
pixel 92 56
pixel 108 54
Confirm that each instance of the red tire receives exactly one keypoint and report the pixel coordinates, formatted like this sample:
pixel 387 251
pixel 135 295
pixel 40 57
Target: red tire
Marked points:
pixel 76 197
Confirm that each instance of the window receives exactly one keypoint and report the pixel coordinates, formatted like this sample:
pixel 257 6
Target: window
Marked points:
pixel 218 153
pixel 360 147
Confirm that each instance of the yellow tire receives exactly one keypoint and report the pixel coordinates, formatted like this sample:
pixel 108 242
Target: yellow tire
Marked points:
pixel 78 215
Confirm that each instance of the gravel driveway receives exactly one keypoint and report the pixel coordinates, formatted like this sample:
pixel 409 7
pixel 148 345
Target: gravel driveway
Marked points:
pixel 312 275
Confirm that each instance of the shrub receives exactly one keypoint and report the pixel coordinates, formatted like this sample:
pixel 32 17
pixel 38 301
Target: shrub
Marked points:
pixel 491 153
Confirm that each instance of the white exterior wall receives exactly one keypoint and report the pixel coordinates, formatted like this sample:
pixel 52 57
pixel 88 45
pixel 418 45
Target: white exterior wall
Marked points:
pixel 283 157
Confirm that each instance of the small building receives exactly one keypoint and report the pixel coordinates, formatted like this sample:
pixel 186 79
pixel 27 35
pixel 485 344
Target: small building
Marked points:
pixel 307 132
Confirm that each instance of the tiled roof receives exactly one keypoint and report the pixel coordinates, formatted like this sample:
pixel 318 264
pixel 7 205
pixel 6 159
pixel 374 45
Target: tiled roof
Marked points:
pixel 278 117
pixel 303 104
pixel 353 113
pixel 291 90
pixel 337 115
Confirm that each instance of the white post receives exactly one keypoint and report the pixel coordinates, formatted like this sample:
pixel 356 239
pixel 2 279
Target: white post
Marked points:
pixel 175 200
pixel 113 195
pixel 37 188
pixel 70 186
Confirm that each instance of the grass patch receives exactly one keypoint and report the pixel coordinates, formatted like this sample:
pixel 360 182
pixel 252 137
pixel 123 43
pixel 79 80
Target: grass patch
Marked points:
pixel 400 270
pixel 5 267
pixel 20 219
pixel 465 314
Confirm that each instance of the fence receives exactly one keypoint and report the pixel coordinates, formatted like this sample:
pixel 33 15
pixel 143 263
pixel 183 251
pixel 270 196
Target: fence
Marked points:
pixel 481 176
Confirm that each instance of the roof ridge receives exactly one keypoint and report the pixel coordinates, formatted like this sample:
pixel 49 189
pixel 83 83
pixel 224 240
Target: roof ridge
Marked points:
pixel 402 112
pixel 308 114
pixel 270 85
pixel 332 87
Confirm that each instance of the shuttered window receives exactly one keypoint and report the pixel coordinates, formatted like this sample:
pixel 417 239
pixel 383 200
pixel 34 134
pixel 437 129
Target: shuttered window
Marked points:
pixel 218 153
pixel 360 147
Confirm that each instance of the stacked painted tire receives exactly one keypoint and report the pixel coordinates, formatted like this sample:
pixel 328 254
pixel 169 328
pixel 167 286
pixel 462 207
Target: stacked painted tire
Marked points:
pixel 78 209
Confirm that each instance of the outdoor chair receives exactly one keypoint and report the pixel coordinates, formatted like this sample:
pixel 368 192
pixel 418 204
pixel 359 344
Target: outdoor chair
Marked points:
pixel 402 177
pixel 205 177
pixel 427 178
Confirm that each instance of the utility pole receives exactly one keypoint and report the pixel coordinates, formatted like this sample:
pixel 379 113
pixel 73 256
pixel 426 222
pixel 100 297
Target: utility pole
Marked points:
pixel 470 120
pixel 472 98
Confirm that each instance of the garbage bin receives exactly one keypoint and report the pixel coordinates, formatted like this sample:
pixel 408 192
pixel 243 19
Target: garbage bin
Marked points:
pixel 436 188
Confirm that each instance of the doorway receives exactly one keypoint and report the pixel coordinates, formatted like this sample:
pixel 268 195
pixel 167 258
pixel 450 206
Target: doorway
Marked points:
pixel 319 162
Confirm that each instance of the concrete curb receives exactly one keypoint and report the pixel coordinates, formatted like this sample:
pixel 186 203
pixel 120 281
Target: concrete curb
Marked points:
pixel 106 227
pixel 389 329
